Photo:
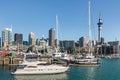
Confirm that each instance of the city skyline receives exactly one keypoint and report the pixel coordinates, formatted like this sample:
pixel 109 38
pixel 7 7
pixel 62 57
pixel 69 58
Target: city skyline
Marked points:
pixel 38 16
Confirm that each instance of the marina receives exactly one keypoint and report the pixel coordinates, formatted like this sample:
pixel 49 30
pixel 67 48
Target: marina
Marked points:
pixel 72 52
pixel 103 72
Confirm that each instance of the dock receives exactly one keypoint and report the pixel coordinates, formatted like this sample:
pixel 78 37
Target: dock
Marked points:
pixel 85 65
pixel 8 61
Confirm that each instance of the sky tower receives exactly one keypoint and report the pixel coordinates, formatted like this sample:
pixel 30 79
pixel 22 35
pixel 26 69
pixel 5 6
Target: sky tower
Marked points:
pixel 99 29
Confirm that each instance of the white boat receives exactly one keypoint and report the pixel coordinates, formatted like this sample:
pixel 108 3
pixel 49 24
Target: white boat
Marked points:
pixel 39 67
pixel 113 56
pixel 56 52
pixel 87 60
pixel 60 55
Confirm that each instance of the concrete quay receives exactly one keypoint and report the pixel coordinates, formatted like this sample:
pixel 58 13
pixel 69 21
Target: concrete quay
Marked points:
pixel 9 61
pixel 15 61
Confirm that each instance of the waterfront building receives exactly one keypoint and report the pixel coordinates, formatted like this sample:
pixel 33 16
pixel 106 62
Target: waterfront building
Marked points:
pixel 77 44
pixel 52 37
pixel 83 42
pixel 7 37
pixel 94 43
pixel 105 49
pixel 43 45
pixel 43 42
pixel 77 47
pixel 25 43
pixel 102 40
pixel 67 45
pixel 18 38
pixel 37 42
pixel 32 38
pixel 115 45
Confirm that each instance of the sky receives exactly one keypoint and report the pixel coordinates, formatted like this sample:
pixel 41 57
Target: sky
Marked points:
pixel 38 16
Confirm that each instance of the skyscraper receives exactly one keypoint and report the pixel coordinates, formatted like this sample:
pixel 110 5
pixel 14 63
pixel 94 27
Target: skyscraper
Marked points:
pixel 83 41
pixel 18 38
pixel 52 37
pixel 7 37
pixel 32 38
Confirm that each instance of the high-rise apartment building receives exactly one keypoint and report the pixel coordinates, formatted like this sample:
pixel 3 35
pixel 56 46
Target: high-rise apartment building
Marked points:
pixel 37 42
pixel 32 38
pixel 52 37
pixel 6 37
pixel 116 47
pixel 18 38
pixel 83 41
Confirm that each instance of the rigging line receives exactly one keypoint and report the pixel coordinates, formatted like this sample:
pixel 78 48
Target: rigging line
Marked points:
pixel 60 35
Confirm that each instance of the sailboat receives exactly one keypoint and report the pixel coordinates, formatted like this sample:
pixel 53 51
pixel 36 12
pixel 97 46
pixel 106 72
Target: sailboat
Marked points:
pixel 57 54
pixel 88 59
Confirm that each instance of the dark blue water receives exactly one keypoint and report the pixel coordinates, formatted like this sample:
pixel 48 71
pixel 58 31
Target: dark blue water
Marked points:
pixel 109 70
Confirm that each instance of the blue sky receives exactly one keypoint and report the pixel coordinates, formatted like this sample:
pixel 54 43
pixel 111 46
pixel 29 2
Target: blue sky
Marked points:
pixel 38 16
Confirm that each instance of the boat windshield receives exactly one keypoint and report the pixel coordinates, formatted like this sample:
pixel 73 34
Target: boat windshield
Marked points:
pixel 43 64
pixel 31 66
pixel 21 66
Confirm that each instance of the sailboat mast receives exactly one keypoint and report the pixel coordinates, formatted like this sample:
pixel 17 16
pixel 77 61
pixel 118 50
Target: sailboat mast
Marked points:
pixel 56 31
pixel 89 23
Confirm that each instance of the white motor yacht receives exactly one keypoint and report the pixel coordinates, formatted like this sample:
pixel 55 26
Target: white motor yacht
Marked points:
pixel 34 66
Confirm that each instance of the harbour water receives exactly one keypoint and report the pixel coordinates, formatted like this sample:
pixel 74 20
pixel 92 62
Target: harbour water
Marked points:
pixel 108 70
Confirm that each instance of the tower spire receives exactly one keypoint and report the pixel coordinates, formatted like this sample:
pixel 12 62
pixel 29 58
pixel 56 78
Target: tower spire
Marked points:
pixel 100 17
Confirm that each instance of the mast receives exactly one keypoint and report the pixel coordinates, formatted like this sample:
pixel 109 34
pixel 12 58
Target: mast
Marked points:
pixel 43 43
pixel 56 31
pixel 89 29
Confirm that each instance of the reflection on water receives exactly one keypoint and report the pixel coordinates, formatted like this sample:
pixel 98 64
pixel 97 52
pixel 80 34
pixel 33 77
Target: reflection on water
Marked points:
pixel 62 76
pixel 90 73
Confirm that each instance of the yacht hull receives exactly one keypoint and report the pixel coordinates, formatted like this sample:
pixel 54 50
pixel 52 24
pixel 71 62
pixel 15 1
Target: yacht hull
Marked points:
pixel 40 71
